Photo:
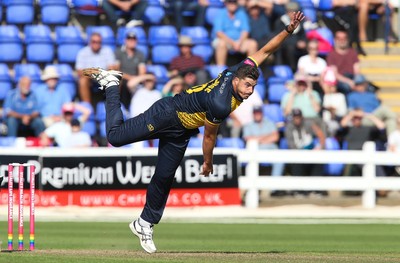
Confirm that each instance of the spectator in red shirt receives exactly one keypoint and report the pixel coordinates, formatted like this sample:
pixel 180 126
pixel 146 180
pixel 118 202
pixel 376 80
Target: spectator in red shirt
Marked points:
pixel 345 62
pixel 187 61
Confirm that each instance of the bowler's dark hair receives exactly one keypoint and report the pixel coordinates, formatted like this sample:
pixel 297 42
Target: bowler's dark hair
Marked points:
pixel 247 71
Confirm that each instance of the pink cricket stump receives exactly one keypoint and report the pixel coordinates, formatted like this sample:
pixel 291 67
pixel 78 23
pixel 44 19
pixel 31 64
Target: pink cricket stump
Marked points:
pixel 10 205
pixel 21 208
pixel 31 170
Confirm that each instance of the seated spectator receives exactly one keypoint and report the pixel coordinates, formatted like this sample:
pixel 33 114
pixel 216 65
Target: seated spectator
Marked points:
pixel 334 103
pixel 230 33
pixel 132 10
pixel 266 134
pixel 21 109
pixel 51 96
pixel 302 134
pixel 59 133
pixel 294 46
pixel 394 139
pixel 173 86
pixel 368 101
pixel 78 138
pixel 344 60
pixel 131 62
pixel 312 66
pixel 303 97
pixel 356 134
pixel 187 61
pixel 145 93
pixel 260 28
pixel 199 7
pixel 93 55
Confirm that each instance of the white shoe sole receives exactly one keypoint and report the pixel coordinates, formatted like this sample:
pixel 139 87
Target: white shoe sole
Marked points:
pixel 132 227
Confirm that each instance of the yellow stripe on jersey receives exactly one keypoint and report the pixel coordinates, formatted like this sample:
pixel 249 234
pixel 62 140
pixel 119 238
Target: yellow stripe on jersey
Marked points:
pixel 234 103
pixel 192 120
pixel 207 86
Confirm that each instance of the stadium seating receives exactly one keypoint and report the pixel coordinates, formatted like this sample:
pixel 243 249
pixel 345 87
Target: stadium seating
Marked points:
pixel 160 71
pixel 10 41
pixel 7 141
pixel 19 11
pixel 214 70
pixel 276 92
pixel 54 12
pixel 230 143
pixel 90 125
pixel 69 41
pixel 106 32
pixel 67 78
pixel 87 7
pixel 211 13
pixel 39 44
pixel 333 168
pixel 154 14
pixel 274 113
pixel 140 35
pixel 163 54
pixel 30 69
pixel 5 81
pixel 163 35
pixel 282 71
pixel 204 51
pixel 195 142
pixel 198 34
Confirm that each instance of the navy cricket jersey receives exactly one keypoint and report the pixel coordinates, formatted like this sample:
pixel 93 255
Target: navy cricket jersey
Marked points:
pixel 212 101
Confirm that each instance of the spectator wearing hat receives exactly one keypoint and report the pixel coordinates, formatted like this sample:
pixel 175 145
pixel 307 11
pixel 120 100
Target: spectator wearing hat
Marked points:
pixel 186 62
pixel 132 10
pixel 131 62
pixel 93 55
pixel 51 96
pixel 291 50
pixel 199 7
pixel 368 101
pixel 58 133
pixel 302 96
pixel 302 134
pixel 265 132
pixel 21 109
pixel 230 33
pixel 345 61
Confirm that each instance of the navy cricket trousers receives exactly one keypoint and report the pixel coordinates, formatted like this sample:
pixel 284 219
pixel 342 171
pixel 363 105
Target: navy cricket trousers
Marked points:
pixel 159 121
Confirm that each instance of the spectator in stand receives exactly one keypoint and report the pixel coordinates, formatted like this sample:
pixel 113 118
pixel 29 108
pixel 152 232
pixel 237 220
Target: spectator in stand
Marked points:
pixel 132 10
pixel 93 55
pixel 394 139
pixel 78 138
pixel 21 109
pixel 368 101
pixel 303 97
pixel 132 63
pixel 334 103
pixel 59 133
pixel 187 61
pixel 230 33
pixel 344 60
pixel 265 132
pixel 145 93
pixel 291 50
pixel 312 66
pixel 51 96
pixel 180 6
pixel 174 86
pixel 260 28
pixel 302 134
pixel 356 134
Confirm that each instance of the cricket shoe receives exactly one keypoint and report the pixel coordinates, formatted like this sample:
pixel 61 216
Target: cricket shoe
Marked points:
pixel 106 78
pixel 145 235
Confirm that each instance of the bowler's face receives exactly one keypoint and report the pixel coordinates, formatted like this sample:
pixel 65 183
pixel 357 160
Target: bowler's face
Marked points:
pixel 245 87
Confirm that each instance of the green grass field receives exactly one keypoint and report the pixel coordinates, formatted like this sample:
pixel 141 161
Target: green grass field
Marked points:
pixel 200 242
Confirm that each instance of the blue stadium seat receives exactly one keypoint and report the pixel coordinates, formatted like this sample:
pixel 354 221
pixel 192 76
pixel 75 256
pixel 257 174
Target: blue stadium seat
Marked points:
pixel 216 3
pixel 10 41
pixel 8 141
pixel 67 78
pixel 19 11
pixel 154 14
pixel 163 54
pixel 90 125
pixel 230 143
pixel 5 81
pixel 100 111
pixel 214 70
pixel 195 142
pixel 160 71
pixel 106 32
pixel 204 51
pixel 39 44
pixel 140 35
pixel 276 92
pixel 310 13
pixel 282 71
pixel 283 144
pixel 211 13
pixel 87 7
pixel 69 41
pixel 274 113
pixel 30 69
pixel 333 168
pixel 198 34
pixel 160 35
pixel 261 90
pixel 54 12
